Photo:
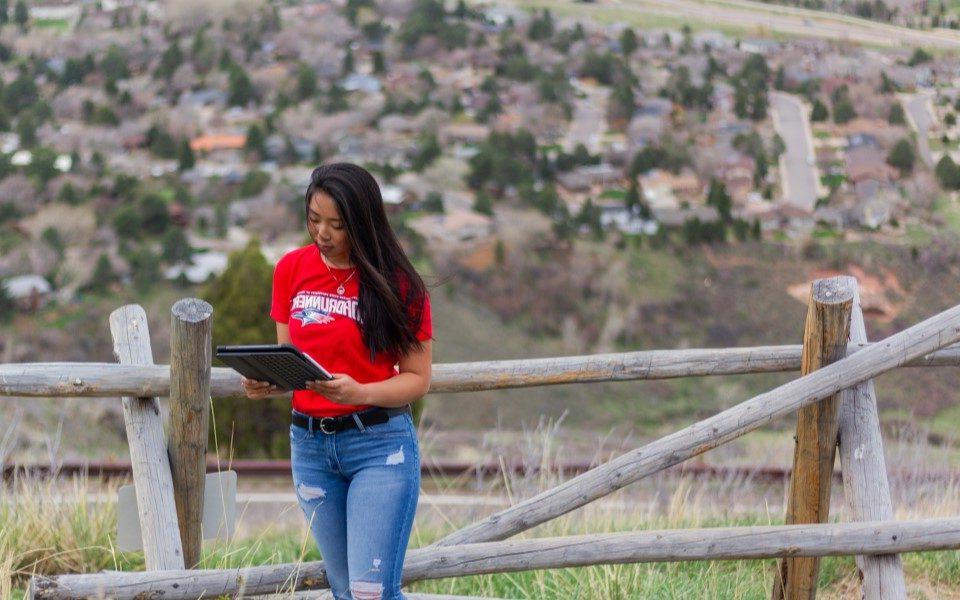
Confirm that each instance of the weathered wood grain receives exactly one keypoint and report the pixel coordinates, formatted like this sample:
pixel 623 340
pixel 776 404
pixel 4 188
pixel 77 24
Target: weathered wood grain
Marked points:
pixel 148 447
pixel 107 380
pixel 721 543
pixel 825 336
pixel 921 339
pixel 190 360
pixel 865 485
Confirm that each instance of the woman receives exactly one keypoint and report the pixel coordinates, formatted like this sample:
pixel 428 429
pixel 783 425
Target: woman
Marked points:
pixel 353 302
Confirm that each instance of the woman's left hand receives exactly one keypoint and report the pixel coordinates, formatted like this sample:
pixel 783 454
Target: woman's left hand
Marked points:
pixel 342 389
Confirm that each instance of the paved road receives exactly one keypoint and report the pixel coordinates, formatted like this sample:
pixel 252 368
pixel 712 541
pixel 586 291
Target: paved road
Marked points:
pixel 762 19
pixel 919 108
pixel 797 168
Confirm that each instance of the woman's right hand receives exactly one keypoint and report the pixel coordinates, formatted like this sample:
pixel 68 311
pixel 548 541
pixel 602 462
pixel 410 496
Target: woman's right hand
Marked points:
pixel 258 390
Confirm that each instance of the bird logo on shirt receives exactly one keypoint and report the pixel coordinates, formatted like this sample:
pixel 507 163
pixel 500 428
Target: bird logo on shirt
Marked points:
pixel 312 316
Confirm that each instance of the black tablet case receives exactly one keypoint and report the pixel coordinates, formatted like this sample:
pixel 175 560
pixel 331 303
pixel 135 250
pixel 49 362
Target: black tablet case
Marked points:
pixel 280 364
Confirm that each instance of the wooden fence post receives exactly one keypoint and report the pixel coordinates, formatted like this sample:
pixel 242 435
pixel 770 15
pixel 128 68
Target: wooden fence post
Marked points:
pixel 148 448
pixel 824 341
pixel 865 484
pixel 190 358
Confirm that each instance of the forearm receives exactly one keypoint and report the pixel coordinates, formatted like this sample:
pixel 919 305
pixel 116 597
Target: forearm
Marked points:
pixel 397 391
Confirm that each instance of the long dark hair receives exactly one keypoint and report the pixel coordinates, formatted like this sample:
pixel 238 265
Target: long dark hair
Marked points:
pixel 391 291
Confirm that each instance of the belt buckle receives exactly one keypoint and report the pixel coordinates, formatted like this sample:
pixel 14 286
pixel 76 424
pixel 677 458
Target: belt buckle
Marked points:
pixel 324 421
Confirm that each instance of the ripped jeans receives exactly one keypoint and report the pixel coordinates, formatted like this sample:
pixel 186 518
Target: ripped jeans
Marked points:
pixel 358 491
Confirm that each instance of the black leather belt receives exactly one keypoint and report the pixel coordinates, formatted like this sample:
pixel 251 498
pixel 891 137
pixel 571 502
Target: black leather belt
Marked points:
pixel 331 425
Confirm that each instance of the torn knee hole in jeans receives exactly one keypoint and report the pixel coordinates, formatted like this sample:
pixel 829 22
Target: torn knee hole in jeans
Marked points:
pixel 366 590
pixel 309 493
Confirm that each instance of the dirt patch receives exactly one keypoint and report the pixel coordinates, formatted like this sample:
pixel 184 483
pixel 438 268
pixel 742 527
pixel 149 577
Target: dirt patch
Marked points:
pixel 881 295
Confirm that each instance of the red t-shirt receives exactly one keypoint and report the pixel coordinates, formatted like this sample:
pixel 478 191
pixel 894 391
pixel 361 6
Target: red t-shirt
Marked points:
pixel 324 325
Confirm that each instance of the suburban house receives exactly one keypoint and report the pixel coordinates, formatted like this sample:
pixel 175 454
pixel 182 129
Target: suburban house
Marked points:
pixel 29 292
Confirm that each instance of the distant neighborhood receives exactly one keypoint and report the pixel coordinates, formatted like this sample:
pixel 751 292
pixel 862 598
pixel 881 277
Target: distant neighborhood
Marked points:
pixel 142 141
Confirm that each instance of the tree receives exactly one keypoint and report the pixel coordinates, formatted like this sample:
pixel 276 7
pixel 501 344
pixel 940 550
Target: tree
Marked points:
pixel 4 12
pixel 241 297
pixel 843 110
pixel 186 159
pixel 819 111
pixel 160 142
pixel 589 217
pixel 175 247
pixel 42 168
pixel 896 116
pixel 52 238
pixel 919 56
pixel 948 173
pixel 154 216
pixel 427 151
pixel 8 306
pixel 306 81
pixel 21 15
pixel 902 156
pixel 256 142
pixel 433 203
pixel 483 204
pixel 780 79
pixel 541 27
pixel 20 94
pixel 170 61
pixel 103 276
pixel 241 91
pixel 348 62
pixel 68 195
pixel 27 131
pixel 379 63
pixel 887 86
pixel 750 89
pixel 628 41
pixel 718 198
pixel 115 62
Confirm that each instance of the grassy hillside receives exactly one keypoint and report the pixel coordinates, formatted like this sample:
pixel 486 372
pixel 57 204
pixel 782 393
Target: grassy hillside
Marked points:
pixel 596 298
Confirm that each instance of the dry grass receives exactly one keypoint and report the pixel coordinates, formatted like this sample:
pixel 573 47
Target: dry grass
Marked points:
pixel 51 526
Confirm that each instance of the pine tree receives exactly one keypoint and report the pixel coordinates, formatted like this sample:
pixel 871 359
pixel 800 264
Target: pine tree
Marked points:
pixel 902 156
pixel 628 41
pixel 896 116
pixel 819 112
pixel 175 246
pixel 256 143
pixel 21 15
pixel 241 297
pixel 7 304
pixel 103 276
pixel 186 159
pixel 718 198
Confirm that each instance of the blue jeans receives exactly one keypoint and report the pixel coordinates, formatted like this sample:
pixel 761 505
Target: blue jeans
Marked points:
pixel 358 490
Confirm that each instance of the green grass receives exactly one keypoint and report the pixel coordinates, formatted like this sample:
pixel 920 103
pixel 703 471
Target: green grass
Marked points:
pixel 62 25
pixel 948 210
pixel 937 145
pixel 947 422
pixel 614 194
pixel 607 14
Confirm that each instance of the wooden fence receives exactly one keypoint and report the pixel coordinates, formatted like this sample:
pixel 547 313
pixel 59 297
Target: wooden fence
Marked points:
pixel 834 398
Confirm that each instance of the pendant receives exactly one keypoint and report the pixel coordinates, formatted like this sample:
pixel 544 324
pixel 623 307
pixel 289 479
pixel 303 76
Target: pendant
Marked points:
pixel 340 290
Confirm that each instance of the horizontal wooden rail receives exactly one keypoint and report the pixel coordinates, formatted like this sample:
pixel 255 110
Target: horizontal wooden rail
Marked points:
pixel 720 543
pixel 930 335
pixel 108 380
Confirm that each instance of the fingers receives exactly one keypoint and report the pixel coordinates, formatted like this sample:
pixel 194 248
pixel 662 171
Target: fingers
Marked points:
pixel 258 389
